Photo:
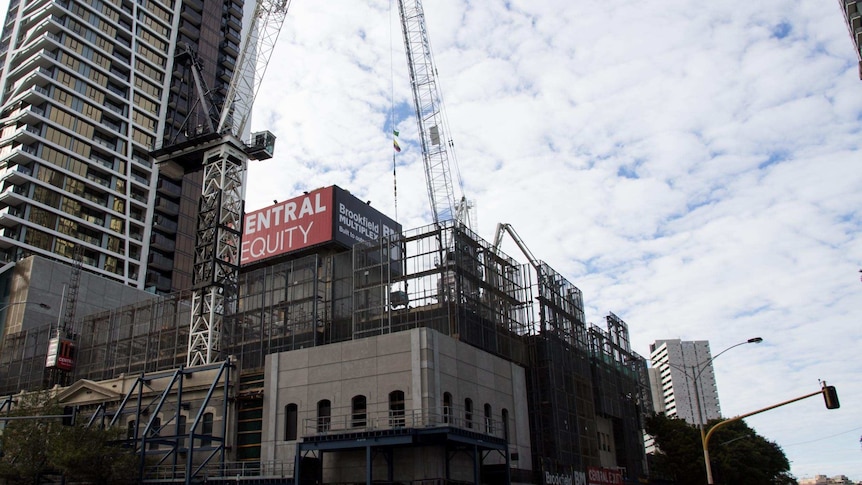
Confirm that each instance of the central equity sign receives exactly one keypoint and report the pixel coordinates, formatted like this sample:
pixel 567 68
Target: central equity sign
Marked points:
pixel 325 215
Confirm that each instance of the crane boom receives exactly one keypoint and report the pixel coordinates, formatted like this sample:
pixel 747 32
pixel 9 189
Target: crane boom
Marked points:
pixel 428 103
pixel 255 52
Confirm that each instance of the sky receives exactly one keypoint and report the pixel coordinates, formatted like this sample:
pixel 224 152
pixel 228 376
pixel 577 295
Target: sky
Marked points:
pixel 694 169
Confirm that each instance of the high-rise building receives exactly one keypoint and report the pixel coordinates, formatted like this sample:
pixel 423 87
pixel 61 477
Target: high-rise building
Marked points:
pixel 88 88
pixel 853 17
pixel 683 380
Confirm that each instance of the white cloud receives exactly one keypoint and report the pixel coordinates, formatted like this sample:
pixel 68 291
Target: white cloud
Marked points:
pixel 693 170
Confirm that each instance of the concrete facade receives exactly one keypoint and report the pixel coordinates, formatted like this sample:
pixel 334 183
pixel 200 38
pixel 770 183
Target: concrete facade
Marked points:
pixel 423 364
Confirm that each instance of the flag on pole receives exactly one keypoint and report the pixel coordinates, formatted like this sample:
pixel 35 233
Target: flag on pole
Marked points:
pixel 395 141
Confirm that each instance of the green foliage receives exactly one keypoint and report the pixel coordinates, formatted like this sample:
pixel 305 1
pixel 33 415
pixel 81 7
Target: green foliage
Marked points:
pixel 92 455
pixel 34 448
pixel 25 443
pixel 739 456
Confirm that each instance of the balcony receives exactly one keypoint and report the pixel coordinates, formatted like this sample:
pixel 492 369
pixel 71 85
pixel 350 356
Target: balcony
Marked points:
pixel 10 216
pixel 162 283
pixel 16 174
pixel 167 206
pixel 162 243
pixel 162 223
pixel 21 155
pixel 190 15
pixel 168 188
pixel 160 262
pixel 14 195
pixel 8 237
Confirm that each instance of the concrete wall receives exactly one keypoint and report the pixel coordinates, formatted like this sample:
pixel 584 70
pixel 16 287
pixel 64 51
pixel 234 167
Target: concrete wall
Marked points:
pixel 37 280
pixel 423 364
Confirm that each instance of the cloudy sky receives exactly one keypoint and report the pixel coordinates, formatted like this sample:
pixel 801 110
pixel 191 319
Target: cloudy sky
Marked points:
pixel 693 168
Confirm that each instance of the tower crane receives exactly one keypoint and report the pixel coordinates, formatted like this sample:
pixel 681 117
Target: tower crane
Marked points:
pixel 437 149
pixel 219 150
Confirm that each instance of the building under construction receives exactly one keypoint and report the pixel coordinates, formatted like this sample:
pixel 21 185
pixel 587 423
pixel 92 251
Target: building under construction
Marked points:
pixel 416 355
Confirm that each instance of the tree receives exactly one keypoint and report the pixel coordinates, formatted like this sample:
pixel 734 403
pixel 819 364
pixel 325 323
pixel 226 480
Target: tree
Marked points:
pixel 34 448
pixel 93 455
pixel 25 442
pixel 738 454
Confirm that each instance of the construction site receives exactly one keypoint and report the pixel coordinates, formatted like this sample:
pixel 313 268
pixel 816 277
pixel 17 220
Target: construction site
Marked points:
pixel 577 402
pixel 319 341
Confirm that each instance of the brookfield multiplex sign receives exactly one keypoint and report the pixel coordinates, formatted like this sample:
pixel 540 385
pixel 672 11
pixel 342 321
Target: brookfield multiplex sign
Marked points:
pixel 322 216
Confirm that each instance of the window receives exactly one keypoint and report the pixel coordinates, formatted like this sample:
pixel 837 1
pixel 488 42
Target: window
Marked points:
pixel 447 407
pixel 468 412
pixel 358 407
pixel 132 431
pixel 154 433
pixel 505 419
pixel 207 429
pixel 181 431
pixel 324 415
pixel 396 408
pixel 489 420
pixel 291 413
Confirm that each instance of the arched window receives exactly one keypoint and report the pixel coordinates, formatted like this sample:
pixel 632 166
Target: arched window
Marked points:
pixel 505 419
pixel 324 414
pixel 468 412
pixel 132 431
pixel 489 420
pixel 396 408
pixel 358 407
pixel 447 407
pixel 291 415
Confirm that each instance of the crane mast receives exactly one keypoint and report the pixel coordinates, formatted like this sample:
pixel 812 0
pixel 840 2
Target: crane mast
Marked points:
pixel 433 130
pixel 224 157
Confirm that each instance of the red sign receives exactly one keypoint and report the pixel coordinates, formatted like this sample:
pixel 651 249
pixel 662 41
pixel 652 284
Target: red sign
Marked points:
pixel 604 476
pixel 295 224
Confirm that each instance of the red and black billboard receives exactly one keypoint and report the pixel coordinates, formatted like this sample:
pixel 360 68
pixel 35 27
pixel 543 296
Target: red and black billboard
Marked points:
pixel 326 215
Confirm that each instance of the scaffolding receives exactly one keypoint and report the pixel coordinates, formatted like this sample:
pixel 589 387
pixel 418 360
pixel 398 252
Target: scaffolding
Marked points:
pixel 440 276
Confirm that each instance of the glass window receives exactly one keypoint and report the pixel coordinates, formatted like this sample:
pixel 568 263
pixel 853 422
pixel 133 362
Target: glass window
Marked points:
pixel 468 412
pixel 447 407
pixel 489 420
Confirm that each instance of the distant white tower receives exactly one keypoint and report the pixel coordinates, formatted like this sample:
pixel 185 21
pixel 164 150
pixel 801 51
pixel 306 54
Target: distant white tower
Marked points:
pixel 676 367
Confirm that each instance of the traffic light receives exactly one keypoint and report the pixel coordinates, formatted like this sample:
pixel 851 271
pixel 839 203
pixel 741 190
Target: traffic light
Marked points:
pixel 830 395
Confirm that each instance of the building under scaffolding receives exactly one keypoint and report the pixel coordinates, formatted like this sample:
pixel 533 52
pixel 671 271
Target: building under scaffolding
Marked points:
pixel 345 362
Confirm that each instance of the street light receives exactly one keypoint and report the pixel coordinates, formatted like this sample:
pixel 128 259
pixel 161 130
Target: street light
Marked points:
pixel 709 481
pixel 702 366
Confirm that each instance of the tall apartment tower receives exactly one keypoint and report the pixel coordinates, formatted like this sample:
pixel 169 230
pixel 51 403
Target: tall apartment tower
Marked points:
pixel 88 88
pixel 680 373
pixel 853 17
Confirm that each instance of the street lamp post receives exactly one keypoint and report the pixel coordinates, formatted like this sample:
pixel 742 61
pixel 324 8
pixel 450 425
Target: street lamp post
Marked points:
pixel 704 442
pixel 702 366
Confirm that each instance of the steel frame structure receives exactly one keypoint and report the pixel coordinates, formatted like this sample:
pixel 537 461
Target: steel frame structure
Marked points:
pixel 216 266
